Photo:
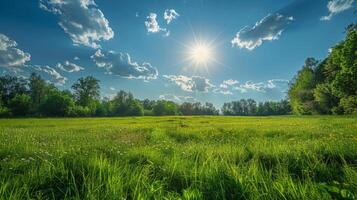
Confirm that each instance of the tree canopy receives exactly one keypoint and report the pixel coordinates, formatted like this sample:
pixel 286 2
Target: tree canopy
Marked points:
pixel 329 86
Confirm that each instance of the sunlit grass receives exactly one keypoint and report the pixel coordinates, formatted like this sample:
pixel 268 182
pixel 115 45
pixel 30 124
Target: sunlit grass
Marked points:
pixel 179 158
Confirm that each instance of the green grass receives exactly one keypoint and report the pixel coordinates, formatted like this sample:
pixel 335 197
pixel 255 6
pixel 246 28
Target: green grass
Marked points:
pixel 179 158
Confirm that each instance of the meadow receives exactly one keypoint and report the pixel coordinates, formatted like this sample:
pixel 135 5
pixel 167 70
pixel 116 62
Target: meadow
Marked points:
pixel 179 158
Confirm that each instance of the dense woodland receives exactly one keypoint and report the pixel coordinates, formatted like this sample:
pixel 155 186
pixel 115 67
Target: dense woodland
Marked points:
pixel 328 86
pixel 320 87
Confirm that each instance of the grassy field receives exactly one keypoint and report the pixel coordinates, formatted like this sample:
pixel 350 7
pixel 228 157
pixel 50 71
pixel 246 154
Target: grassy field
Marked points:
pixel 179 158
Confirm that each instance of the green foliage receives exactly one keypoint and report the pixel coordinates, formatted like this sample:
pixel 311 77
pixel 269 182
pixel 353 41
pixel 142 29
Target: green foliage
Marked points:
pixel 179 157
pixel 11 86
pixel 325 99
pixel 20 105
pixel 326 87
pixel 104 108
pixel 4 112
pixel 57 103
pixel 47 100
pixel 345 82
pixel 136 109
pixel 163 107
pixel 198 109
pixel 249 107
pixel 349 104
pixel 86 90
pixel 124 104
pixel 148 104
pixel 38 89
pixel 301 89
pixel 79 111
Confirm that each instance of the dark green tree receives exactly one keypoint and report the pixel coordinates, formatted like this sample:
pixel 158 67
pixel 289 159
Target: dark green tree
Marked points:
pixel 57 103
pixel 86 92
pixel 345 81
pixel 162 108
pixel 301 91
pixel 124 104
pixel 20 105
pixel 324 98
pixel 11 86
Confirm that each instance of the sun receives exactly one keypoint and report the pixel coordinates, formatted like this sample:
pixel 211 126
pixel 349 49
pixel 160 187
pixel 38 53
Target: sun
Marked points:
pixel 200 54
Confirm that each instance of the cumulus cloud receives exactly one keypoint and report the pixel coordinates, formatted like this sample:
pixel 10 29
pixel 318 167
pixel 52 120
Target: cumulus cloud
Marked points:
pixel 10 56
pixel 14 60
pixel 267 29
pixel 190 84
pixel 177 99
pixel 50 74
pixel 69 67
pixel 226 87
pixel 170 15
pixel 46 72
pixel 249 85
pixel 81 20
pixel 152 26
pixel 279 84
pixel 230 82
pixel 223 90
pixel 337 6
pixel 120 64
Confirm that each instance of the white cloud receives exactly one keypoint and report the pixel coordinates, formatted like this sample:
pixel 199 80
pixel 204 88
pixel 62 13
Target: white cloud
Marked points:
pixel 230 82
pixel 76 58
pixel 69 67
pixel 337 6
pixel 10 56
pixel 190 84
pixel 14 60
pixel 169 15
pixel 279 84
pixel 226 87
pixel 81 20
pixel 223 90
pixel 267 29
pixel 249 85
pixel 120 64
pixel 112 88
pixel 152 26
pixel 177 99
pixel 48 73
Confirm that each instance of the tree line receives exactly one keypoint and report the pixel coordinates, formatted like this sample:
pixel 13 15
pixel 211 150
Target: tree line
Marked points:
pixel 33 96
pixel 328 86
pixel 249 107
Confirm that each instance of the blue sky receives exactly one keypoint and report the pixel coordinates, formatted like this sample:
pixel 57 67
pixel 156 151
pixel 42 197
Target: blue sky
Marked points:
pixel 200 50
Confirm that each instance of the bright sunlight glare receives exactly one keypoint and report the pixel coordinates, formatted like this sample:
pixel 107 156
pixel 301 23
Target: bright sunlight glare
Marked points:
pixel 201 54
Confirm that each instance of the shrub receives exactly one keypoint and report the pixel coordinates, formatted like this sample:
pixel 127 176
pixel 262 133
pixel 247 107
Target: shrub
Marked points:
pixel 4 112
pixel 349 104
pixel 79 111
